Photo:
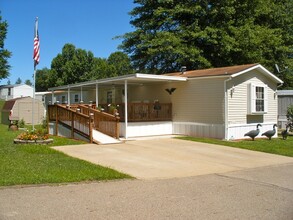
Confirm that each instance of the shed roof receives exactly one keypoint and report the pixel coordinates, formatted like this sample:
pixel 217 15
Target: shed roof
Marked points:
pixel 8 105
pixel 285 92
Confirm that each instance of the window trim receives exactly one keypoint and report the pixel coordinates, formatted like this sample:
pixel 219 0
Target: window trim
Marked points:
pixel 252 99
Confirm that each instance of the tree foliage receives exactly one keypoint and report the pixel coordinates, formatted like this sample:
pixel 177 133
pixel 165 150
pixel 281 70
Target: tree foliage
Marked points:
pixel 121 63
pixel 71 65
pixel 18 81
pixel 4 53
pixel 28 82
pixel 214 33
pixel 75 65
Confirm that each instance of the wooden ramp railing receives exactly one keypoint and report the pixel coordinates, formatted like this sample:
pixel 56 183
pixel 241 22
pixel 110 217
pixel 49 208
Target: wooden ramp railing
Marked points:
pixel 82 119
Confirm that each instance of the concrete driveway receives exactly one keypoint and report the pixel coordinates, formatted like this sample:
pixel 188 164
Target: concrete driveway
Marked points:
pixel 161 158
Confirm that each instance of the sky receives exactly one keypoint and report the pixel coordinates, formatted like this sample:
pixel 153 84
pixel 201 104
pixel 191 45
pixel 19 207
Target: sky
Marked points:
pixel 87 24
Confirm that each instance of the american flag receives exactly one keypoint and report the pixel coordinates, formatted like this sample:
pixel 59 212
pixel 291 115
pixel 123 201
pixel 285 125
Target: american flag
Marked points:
pixel 36 55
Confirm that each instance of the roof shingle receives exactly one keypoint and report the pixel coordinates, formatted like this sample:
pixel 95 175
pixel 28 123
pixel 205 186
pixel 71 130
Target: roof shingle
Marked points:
pixel 213 71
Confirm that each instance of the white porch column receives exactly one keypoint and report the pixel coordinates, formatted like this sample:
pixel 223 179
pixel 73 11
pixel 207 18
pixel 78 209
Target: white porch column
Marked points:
pixel 52 101
pixel 81 98
pixel 68 96
pixel 125 108
pixel 97 95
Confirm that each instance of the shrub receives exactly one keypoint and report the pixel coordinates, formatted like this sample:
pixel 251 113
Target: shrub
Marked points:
pixel 44 123
pixel 290 116
pixel 21 123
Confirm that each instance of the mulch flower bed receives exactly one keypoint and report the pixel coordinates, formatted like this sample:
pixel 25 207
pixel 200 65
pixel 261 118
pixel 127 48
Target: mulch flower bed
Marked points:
pixel 33 137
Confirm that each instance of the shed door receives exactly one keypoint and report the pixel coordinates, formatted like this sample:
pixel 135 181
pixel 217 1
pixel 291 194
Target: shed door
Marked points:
pixel 25 112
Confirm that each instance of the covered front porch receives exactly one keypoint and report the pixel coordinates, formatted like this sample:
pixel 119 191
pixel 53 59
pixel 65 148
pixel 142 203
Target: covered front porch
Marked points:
pixel 142 102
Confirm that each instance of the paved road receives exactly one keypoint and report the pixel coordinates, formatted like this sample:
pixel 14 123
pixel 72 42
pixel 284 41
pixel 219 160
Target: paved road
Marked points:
pixel 258 193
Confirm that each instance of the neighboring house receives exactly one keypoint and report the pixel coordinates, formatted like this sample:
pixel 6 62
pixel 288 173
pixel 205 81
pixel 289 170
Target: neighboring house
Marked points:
pixel 22 108
pixel 14 91
pixel 285 98
pixel 222 103
pixel 59 96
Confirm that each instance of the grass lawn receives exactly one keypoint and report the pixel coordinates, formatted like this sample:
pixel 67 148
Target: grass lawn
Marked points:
pixel 39 164
pixel 274 146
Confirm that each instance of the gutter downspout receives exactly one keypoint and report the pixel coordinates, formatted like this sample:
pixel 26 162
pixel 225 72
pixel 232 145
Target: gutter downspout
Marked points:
pixel 226 107
pixel 125 108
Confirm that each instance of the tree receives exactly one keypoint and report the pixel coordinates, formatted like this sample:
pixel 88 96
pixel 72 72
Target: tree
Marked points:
pixel 18 81
pixel 121 62
pixel 44 80
pixel 201 34
pixel 8 82
pixel 71 65
pixel 75 65
pixel 4 53
pixel 101 69
pixel 28 82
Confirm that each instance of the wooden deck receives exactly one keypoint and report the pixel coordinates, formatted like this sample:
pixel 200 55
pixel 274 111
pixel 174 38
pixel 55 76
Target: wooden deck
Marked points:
pixel 83 118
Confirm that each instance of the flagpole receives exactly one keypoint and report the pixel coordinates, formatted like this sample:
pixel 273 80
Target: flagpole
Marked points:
pixel 34 89
pixel 36 57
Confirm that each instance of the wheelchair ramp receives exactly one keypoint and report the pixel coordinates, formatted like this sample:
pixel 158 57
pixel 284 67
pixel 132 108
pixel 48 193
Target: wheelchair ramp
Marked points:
pixel 101 138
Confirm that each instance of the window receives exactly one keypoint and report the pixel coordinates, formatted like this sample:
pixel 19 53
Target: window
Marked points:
pixel 257 100
pixel 76 98
pixel 63 99
pixel 109 97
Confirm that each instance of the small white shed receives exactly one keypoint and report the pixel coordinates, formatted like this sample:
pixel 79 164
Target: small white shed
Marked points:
pixel 285 98
pixel 22 108
pixel 8 92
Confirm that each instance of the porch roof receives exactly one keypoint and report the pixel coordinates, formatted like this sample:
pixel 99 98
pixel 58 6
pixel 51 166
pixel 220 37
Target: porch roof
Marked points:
pixel 136 78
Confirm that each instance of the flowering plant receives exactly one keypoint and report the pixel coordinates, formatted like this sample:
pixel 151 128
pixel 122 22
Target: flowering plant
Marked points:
pixel 33 135
pixel 113 109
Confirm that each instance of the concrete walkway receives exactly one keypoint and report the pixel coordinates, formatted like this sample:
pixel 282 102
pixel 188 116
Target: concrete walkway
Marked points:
pixel 162 158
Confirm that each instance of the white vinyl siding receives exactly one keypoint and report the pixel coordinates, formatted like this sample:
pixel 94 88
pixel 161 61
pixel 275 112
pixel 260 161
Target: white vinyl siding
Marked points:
pixel 150 93
pixel 199 101
pixel 22 91
pixel 238 102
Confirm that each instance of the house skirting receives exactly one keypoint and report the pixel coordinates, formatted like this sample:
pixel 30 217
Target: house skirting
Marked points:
pixel 140 129
pixel 237 131
pixel 199 129
pixel 64 131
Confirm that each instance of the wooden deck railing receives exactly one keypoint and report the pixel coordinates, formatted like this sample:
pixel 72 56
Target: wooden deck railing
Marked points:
pixel 139 112
pixel 79 116
pixel 147 112
pixel 77 122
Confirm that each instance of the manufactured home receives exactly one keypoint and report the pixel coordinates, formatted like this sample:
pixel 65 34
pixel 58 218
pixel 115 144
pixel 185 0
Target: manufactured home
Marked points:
pixel 222 103
pixel 8 92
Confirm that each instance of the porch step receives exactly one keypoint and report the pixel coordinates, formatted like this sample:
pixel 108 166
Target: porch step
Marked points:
pixel 101 138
